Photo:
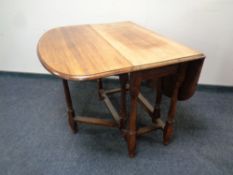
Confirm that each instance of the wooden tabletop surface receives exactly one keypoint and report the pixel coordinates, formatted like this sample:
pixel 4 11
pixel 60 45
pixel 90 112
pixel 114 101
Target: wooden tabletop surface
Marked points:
pixel 88 52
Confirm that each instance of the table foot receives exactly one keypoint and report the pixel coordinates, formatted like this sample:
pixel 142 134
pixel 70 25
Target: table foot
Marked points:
pixel 132 139
pixel 167 133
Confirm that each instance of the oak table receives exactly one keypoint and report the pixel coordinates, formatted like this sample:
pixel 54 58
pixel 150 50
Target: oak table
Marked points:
pixel 92 52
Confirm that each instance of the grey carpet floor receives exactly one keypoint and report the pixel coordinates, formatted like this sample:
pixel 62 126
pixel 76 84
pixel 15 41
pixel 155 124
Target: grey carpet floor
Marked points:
pixel 35 138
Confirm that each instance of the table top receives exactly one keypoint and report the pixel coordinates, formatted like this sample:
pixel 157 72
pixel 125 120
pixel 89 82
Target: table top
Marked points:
pixel 86 52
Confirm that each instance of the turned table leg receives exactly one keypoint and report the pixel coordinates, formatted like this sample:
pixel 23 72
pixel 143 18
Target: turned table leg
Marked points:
pixel 156 112
pixel 135 82
pixel 70 110
pixel 123 111
pixel 169 126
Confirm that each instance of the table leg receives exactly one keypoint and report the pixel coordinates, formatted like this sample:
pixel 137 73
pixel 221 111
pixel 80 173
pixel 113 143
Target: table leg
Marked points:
pixel 169 127
pixel 100 88
pixel 123 111
pixel 70 110
pixel 135 82
pixel 156 112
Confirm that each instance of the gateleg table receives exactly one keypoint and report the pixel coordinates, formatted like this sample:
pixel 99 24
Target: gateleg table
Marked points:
pixel 135 54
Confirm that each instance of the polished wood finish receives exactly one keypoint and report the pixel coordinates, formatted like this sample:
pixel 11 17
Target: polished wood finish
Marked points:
pixel 143 48
pixel 95 51
pixel 79 53
pixel 92 52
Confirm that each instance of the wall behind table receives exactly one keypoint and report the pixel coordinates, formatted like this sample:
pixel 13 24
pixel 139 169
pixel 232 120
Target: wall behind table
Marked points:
pixel 206 25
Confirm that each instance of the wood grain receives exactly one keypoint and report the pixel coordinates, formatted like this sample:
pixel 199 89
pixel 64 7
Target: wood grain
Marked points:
pixel 78 52
pixel 100 50
pixel 142 48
